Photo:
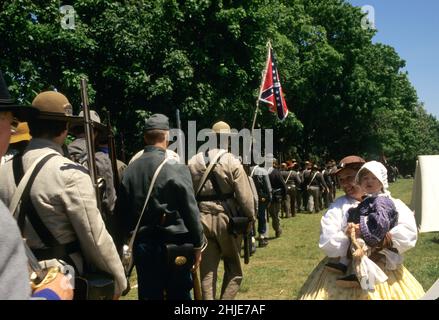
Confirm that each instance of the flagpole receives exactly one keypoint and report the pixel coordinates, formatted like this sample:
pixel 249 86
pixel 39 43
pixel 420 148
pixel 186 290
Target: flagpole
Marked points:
pixel 260 87
pixel 255 115
pixel 264 73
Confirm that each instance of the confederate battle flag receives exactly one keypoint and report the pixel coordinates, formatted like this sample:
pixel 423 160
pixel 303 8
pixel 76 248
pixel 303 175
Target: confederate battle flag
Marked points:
pixel 271 90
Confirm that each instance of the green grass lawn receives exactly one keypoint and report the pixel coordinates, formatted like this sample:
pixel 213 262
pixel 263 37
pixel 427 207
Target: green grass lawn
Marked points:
pixel 279 270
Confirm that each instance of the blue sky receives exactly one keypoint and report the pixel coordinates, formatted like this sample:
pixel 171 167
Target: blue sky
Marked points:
pixel 412 28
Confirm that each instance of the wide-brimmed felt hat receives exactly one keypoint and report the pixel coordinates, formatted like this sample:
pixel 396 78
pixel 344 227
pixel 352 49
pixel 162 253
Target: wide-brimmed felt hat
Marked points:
pixel 53 105
pixel 94 117
pixel 21 112
pixel 21 133
pixel 223 128
pixel 351 162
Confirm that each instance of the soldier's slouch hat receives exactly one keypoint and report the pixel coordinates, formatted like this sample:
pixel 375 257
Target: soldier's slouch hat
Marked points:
pixel 95 118
pixel 53 105
pixel 222 127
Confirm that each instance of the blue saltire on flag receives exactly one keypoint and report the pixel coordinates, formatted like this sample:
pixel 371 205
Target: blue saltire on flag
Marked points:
pixel 271 90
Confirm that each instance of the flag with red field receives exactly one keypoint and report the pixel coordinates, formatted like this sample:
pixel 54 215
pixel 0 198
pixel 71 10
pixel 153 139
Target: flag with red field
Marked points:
pixel 271 89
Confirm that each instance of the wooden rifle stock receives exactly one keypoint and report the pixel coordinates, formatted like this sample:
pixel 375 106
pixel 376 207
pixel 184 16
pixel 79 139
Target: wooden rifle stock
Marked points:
pixel 197 285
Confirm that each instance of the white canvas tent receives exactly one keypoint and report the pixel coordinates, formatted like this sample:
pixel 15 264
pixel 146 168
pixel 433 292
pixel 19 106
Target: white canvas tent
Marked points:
pixel 425 195
pixel 433 293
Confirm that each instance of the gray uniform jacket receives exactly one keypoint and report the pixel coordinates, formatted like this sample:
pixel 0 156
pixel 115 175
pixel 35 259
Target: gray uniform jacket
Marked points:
pixel 262 182
pixel 65 200
pixel 14 275
pixel 78 152
pixel 172 214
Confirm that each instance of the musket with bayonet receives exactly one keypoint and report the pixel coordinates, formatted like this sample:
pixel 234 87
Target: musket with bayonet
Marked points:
pixel 90 143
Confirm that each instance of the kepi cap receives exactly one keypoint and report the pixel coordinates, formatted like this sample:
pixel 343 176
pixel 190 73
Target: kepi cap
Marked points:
pixel 157 121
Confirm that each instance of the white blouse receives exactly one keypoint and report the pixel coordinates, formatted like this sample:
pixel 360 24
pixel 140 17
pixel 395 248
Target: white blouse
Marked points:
pixel 335 243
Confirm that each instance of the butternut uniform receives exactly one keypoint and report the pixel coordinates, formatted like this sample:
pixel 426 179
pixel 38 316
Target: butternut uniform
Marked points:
pixel 65 200
pixel 231 179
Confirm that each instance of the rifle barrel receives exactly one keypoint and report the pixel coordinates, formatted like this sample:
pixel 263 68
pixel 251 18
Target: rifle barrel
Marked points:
pixel 112 153
pixel 89 137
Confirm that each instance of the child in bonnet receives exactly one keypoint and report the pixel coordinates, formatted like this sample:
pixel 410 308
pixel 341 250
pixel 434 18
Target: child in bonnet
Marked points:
pixel 368 224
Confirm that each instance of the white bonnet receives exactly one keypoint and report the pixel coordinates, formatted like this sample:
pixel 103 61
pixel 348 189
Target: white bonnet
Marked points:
pixel 378 170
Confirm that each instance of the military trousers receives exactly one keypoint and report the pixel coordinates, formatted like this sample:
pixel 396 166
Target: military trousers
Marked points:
pixel 289 204
pixel 304 197
pixel 293 195
pixel 286 206
pixel 314 199
pixel 274 210
pixel 327 198
pixel 221 245
pixel 156 281
pixel 262 217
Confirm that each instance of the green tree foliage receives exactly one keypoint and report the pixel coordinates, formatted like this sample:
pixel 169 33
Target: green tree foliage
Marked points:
pixel 346 95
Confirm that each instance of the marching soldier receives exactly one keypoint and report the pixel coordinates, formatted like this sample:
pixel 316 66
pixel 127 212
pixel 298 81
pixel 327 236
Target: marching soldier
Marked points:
pixel 293 184
pixel 327 194
pixel 286 201
pixel 219 198
pixel 279 193
pixel 314 183
pixel 263 188
pixel 78 152
pixel 170 218
pixel 60 220
pixel 303 186
pixel 332 171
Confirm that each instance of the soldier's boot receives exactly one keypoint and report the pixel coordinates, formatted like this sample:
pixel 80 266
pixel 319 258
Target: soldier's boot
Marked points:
pixel 278 233
pixel 263 242
pixel 253 246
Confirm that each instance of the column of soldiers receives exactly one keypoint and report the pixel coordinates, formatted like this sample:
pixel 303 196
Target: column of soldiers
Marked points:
pixel 307 189
pixel 188 206
pixel 58 215
pixel 66 224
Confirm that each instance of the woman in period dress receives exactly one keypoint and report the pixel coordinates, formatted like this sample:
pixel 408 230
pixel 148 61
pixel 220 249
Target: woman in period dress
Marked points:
pixel 334 241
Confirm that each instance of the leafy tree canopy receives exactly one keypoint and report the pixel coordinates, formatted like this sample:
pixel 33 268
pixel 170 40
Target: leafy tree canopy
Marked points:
pixel 345 94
